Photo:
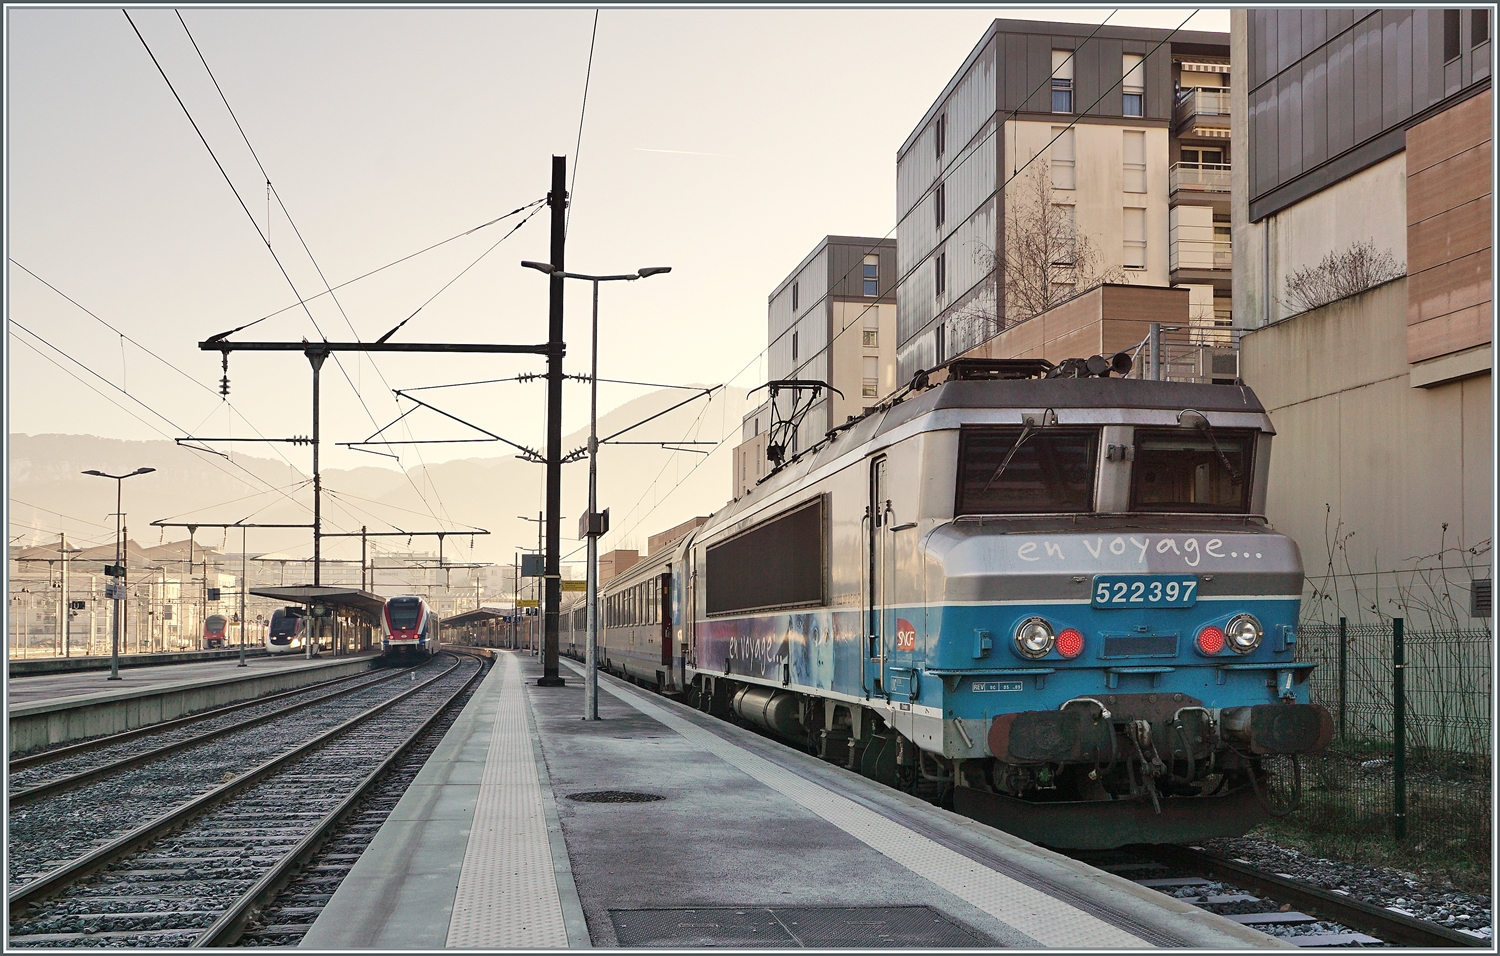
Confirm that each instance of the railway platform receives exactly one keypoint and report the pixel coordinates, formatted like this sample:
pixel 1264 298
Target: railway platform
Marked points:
pixel 659 826
pixel 58 708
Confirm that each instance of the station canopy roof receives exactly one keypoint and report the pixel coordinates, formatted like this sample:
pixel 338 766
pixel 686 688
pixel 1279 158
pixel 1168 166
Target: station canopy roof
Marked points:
pixel 483 615
pixel 335 597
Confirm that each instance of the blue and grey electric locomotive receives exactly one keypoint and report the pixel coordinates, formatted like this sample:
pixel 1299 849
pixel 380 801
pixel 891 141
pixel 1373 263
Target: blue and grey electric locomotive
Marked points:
pixel 1055 602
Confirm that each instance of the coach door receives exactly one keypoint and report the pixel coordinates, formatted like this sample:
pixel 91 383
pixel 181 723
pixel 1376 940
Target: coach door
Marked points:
pixel 879 579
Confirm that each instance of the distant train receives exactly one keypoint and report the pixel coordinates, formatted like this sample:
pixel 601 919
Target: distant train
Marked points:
pixel 288 631
pixel 409 628
pixel 214 627
pixel 1053 603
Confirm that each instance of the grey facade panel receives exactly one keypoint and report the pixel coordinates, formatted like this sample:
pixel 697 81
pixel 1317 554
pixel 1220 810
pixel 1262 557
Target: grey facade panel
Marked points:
pixel 1367 72
pixel 1039 64
pixel 1159 92
pixel 1314 109
pixel 1340 97
pixel 1013 73
pixel 1314 29
pixel 1088 81
pixel 1289 124
pixel 1397 97
pixel 1288 38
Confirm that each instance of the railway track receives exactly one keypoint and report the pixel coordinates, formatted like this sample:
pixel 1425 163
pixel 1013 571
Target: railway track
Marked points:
pixel 1304 915
pixel 36 775
pixel 194 872
pixel 286 916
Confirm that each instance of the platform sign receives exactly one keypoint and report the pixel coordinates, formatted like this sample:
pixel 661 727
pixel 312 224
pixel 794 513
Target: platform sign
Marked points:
pixel 532 566
pixel 526 603
pixel 114 592
pixel 575 585
pixel 114 571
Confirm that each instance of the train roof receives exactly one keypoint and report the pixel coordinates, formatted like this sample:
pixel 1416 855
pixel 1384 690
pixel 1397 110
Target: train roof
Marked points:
pixel 1110 393
pixel 944 406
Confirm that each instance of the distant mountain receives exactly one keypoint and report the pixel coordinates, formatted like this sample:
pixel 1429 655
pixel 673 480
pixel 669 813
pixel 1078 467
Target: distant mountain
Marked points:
pixel 646 488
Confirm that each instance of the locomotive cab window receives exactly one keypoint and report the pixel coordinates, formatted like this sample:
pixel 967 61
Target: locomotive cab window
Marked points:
pixel 1016 470
pixel 1203 470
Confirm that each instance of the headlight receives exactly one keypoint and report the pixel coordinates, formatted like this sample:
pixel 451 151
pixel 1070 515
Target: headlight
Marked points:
pixel 1034 638
pixel 1243 633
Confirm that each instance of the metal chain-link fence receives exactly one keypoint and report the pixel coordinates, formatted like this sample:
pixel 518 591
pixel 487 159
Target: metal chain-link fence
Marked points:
pixel 1419 773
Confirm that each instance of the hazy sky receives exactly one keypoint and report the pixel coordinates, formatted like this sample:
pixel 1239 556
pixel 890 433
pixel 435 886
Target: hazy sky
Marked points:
pixel 723 143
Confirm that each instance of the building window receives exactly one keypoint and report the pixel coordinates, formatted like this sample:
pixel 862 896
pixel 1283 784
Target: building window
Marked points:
pixel 940 203
pixel 1064 172
pixel 1451 44
pixel 940 134
pixel 870 382
pixel 939 343
pixel 1480 28
pixel 1209 157
pixel 1135 84
pixel 1135 161
pixel 872 275
pixel 1065 240
pixel 872 330
pixel 794 347
pixel 940 273
pixel 1062 81
pixel 1135 238
pixel 794 298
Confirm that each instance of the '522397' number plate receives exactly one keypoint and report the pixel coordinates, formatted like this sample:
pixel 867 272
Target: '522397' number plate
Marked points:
pixel 1145 590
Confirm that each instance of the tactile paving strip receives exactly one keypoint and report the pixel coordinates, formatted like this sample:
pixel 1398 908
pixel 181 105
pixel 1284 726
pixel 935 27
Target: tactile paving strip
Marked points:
pixel 507 890
pixel 1049 921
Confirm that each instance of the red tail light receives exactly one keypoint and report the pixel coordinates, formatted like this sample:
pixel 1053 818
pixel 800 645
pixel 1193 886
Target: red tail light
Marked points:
pixel 1069 643
pixel 1210 640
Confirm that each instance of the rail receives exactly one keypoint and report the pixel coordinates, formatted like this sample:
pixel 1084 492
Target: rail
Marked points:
pixel 51 882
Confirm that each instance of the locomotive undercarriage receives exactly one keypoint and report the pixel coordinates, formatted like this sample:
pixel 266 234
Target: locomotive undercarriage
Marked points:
pixel 1098 773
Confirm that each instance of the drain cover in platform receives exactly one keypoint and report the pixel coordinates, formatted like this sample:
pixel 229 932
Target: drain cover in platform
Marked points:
pixel 872 927
pixel 615 796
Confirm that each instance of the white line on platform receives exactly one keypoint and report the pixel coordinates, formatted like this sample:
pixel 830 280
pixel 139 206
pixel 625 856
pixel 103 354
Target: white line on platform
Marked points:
pixel 507 890
pixel 1049 921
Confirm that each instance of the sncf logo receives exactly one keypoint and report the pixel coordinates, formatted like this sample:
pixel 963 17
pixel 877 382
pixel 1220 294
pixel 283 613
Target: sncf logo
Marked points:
pixel 906 635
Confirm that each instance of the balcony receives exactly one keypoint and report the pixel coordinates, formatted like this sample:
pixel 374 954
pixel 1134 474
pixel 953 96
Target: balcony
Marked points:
pixel 1209 178
pixel 1202 112
pixel 1206 254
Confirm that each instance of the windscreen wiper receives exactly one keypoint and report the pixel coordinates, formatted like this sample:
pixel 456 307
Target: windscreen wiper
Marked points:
pixel 1208 430
pixel 1026 432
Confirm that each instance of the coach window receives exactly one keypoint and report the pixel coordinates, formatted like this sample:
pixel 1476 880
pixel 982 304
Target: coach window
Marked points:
pixel 1192 470
pixel 1022 470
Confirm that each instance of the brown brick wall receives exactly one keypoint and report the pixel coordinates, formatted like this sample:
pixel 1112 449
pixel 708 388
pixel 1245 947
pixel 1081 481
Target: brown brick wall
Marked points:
pixel 1448 228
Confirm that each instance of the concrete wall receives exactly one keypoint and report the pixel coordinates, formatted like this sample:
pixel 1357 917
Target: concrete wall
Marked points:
pixel 1385 487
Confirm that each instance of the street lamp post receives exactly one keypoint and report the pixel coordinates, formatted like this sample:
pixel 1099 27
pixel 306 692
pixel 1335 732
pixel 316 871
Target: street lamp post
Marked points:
pixel 594 525
pixel 114 652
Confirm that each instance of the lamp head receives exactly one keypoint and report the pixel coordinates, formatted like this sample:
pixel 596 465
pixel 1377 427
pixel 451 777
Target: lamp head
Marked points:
pixel 538 266
pixel 92 471
pixel 652 270
pixel 143 471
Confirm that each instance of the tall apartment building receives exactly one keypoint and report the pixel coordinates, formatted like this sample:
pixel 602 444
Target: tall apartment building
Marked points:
pixel 1058 156
pixel 1362 243
pixel 833 319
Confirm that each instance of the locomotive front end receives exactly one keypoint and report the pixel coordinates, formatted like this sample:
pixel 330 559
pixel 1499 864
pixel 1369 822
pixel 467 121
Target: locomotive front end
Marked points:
pixel 1115 625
